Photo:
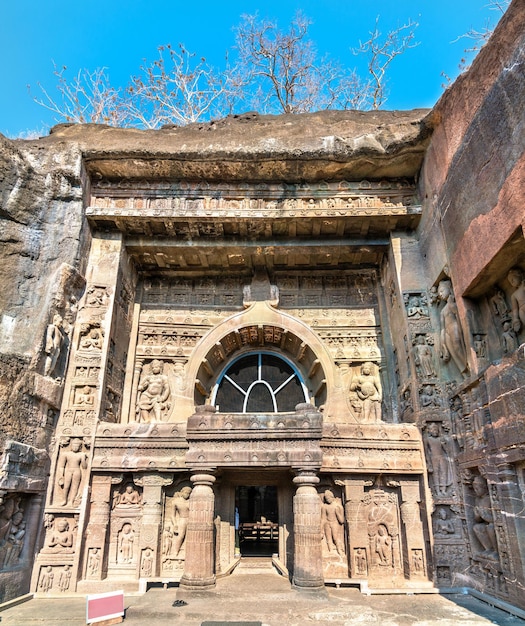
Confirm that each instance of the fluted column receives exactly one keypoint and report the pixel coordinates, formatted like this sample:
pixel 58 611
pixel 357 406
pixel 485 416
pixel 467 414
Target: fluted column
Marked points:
pixel 199 565
pixel 308 558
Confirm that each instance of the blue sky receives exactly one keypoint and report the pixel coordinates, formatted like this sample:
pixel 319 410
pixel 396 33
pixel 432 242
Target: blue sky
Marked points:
pixel 119 35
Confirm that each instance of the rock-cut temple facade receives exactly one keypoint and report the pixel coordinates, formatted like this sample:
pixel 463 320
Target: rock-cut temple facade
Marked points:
pixel 298 338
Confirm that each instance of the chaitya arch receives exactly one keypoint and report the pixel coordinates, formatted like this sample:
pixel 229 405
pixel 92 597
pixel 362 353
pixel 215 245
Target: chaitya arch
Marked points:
pixel 261 329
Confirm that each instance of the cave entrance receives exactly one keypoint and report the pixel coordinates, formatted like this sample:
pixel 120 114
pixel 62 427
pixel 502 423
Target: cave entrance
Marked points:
pixel 257 520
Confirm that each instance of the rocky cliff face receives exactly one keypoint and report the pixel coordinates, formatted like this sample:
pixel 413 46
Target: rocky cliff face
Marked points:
pixel 40 235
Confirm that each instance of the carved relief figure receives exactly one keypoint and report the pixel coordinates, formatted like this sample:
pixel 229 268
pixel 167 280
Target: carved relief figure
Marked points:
pixel 517 299
pixel 417 561
pixel 61 537
pixel 15 540
pixel 181 513
pixel 96 296
pixel 509 338
pixel 65 578
pixel 439 463
pixel 93 564
pixel 70 467
pixel 368 389
pixel 53 345
pixel 416 306
pixel 360 561
pixel 46 579
pixel 153 394
pixel 451 338
pixel 179 372
pixel 146 568
pixel 443 524
pixel 428 398
pixel 406 406
pixel 456 413
pixel 125 544
pixel 480 346
pixel 383 545
pixel 9 507
pixel 130 497
pixel 483 526
pixel 167 540
pixel 332 520
pixel 498 304
pixel 382 527
pixel 91 337
pixel 84 396
pixel 424 357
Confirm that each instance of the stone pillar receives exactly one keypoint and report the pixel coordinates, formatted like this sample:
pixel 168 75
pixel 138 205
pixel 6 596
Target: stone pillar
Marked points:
pixel 95 559
pixel 152 485
pixel 308 557
pixel 415 558
pixel 199 571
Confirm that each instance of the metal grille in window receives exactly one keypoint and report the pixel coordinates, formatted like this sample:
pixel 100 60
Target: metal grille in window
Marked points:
pixel 260 383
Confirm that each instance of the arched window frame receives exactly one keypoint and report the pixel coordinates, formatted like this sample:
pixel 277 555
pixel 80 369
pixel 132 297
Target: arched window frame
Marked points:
pixel 259 380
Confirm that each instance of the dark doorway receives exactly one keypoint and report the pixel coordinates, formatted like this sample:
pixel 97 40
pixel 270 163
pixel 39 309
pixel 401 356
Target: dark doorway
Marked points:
pixel 257 526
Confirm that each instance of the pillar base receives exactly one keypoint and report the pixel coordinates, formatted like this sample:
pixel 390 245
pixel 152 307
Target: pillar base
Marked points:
pixel 308 584
pixel 197 584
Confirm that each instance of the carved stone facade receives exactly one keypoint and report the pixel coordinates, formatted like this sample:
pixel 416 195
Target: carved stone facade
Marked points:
pixel 253 350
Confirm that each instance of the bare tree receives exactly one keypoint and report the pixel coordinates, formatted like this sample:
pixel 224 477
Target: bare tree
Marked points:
pixel 281 72
pixel 480 37
pixel 179 88
pixel 87 98
pixel 274 71
pixel 381 51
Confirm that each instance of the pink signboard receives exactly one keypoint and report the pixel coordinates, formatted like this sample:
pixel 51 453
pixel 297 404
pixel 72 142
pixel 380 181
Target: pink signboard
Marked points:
pixel 102 606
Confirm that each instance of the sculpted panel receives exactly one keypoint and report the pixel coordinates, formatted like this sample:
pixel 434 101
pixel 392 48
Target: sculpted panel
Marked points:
pixel 176 516
pixel 70 470
pixel 383 529
pixel 12 530
pixel 153 394
pixel 439 459
pixel 452 343
pixel 55 335
pixel 366 394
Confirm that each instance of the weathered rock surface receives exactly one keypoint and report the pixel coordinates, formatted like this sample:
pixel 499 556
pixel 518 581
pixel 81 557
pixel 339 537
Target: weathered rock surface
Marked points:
pixel 310 146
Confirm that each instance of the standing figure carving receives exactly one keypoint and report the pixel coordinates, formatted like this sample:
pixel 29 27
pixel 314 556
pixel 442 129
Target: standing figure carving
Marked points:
pixel 424 357
pixel 439 462
pixel 64 579
pixel 125 544
pixel 517 299
pixel 368 389
pixel 70 467
pixel 332 520
pixel 483 526
pixel 181 514
pixel 54 341
pixel 451 338
pixel 509 339
pixel 153 394
pixel 46 579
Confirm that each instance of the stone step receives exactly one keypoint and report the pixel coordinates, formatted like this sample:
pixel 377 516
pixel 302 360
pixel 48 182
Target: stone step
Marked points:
pixel 255 564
